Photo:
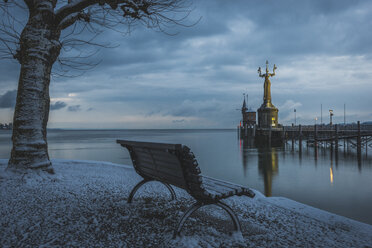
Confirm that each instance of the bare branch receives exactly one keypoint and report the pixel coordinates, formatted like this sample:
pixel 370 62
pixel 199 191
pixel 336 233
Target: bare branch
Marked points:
pixel 83 20
pixel 10 27
pixel 73 7
pixel 152 13
pixel 70 20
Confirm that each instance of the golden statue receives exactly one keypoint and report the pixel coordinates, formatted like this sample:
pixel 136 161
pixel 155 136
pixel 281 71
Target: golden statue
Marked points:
pixel 267 84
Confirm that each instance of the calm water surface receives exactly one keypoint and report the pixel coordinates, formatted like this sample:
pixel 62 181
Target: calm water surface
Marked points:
pixel 334 183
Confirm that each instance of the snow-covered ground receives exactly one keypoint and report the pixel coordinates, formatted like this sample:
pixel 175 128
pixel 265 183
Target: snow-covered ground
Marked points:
pixel 84 205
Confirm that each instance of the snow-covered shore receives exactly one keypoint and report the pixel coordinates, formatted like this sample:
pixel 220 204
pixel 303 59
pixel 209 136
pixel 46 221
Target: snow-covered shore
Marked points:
pixel 84 205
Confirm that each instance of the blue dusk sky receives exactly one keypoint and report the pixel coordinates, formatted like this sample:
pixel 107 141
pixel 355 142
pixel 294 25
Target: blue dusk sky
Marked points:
pixel 196 79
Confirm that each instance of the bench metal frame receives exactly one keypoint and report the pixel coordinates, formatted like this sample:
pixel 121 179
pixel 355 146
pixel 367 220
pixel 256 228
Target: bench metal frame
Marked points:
pixel 140 184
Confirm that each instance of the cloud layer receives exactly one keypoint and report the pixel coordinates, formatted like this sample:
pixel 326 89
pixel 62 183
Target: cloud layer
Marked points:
pixel 196 79
pixel 8 99
pixel 57 105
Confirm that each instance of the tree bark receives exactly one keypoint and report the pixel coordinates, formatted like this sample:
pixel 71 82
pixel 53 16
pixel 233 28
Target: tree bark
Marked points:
pixel 39 48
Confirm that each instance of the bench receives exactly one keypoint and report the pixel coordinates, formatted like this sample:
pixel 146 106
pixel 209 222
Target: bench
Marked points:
pixel 175 164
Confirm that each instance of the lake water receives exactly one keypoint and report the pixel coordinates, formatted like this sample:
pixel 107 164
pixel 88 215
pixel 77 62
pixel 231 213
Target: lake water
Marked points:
pixel 338 184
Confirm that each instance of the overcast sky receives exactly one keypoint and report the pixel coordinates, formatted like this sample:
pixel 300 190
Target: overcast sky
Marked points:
pixel 196 79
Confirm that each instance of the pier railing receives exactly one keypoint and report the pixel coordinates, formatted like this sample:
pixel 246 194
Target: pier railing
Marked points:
pixel 358 135
pixel 323 127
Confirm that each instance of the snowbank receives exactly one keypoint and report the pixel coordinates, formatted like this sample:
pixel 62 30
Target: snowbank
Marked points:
pixel 84 205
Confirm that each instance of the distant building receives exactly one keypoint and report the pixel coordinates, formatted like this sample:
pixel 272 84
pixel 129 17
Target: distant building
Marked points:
pixel 6 126
pixel 249 116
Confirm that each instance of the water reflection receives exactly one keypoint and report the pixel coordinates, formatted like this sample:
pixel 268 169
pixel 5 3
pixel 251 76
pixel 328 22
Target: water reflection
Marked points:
pixel 268 166
pixel 329 155
pixel 268 162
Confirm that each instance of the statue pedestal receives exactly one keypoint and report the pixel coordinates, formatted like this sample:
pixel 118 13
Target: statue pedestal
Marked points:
pixel 267 116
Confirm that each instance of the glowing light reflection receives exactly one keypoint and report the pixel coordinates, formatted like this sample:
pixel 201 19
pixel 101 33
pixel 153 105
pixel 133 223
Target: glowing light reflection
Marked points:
pixel 331 174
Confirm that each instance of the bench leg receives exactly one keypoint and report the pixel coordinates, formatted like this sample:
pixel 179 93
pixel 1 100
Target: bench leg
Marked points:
pixel 184 217
pixel 198 205
pixel 232 214
pixel 138 185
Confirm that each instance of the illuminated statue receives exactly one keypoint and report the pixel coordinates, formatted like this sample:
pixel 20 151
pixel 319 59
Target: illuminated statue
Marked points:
pixel 267 84
pixel 267 113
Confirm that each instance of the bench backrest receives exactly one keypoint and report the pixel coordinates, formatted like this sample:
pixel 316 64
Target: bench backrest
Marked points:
pixel 169 163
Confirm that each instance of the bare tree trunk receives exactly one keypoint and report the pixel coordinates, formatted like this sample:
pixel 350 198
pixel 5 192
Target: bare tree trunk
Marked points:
pixel 39 48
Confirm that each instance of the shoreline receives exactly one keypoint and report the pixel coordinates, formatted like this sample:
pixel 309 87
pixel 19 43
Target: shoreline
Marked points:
pixel 84 204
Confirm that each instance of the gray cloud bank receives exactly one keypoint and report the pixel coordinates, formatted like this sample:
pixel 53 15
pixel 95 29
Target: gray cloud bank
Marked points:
pixel 8 99
pixel 58 105
pixel 74 108
pixel 322 50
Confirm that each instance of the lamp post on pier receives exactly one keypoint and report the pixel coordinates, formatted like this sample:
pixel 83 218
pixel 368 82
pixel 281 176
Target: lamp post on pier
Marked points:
pixel 330 117
pixel 294 116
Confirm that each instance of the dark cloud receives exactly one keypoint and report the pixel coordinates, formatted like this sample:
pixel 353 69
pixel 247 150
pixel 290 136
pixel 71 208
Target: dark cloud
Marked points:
pixel 74 108
pixel 201 72
pixel 58 105
pixel 8 100
pixel 179 121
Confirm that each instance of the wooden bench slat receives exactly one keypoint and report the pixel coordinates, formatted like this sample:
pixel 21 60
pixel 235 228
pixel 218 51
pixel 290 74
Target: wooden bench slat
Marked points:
pixel 218 189
pixel 160 164
pixel 141 153
pixel 172 179
pixel 212 190
pixel 161 169
pixel 221 190
pixel 149 144
pixel 166 158
pixel 223 182
pixel 160 156
pixel 226 187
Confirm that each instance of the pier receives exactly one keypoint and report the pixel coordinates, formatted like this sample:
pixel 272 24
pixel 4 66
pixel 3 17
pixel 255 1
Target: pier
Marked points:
pixel 350 136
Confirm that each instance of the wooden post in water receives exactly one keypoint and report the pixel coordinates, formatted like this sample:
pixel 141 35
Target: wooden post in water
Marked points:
pixel 359 144
pixel 315 143
pixel 344 139
pixel 270 135
pixel 336 144
pixel 300 138
pixel 336 137
pixel 343 133
pixel 366 146
pixel 292 134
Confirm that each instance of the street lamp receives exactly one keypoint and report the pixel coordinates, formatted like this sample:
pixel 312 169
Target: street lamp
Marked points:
pixel 295 115
pixel 316 118
pixel 330 117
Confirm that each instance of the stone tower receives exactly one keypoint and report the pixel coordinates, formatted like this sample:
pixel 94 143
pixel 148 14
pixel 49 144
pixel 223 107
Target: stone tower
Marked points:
pixel 249 116
pixel 244 113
